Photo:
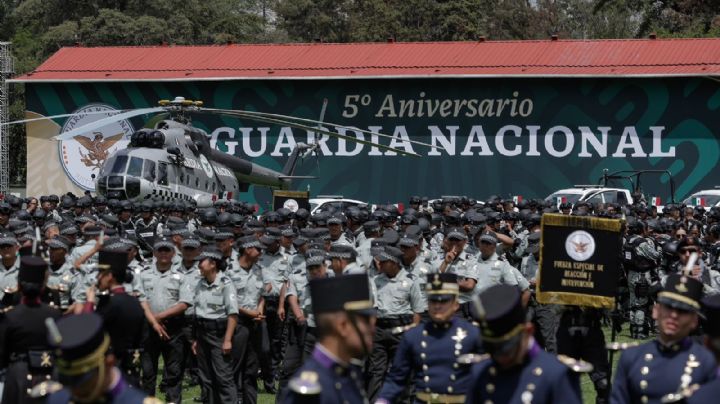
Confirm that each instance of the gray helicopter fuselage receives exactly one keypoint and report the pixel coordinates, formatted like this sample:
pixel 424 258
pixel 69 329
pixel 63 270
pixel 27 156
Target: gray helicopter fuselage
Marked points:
pixel 148 170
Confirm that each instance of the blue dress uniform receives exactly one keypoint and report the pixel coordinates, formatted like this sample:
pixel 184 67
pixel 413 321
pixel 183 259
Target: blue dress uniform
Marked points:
pixel 83 344
pixel 647 373
pixel 430 353
pixel 324 378
pixel 708 392
pixel 541 378
pixel 536 376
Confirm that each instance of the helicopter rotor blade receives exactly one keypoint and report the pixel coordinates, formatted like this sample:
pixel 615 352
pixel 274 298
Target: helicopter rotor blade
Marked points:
pixel 309 128
pixel 63 116
pixel 102 122
pixel 312 121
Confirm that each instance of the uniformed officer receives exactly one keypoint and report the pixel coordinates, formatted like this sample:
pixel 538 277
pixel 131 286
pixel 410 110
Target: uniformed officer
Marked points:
pixel 457 261
pixel 337 233
pixel 345 322
pixel 9 264
pixel 517 369
pixel 247 277
pixel 63 274
pixel 545 317
pixel 673 361
pixel 123 316
pixel 161 284
pixel 86 365
pixel 215 303
pixel 343 258
pixel 710 391
pixel 399 303
pixel 492 270
pixel 24 349
pixel 429 352
pixel 301 324
pixel 414 262
pixel 275 270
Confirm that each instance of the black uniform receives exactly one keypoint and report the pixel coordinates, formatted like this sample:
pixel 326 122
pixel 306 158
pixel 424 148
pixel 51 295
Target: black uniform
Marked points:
pixel 25 350
pixel 124 319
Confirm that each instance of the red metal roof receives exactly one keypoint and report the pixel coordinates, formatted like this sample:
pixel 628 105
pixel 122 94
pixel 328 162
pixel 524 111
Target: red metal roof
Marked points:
pixel 640 57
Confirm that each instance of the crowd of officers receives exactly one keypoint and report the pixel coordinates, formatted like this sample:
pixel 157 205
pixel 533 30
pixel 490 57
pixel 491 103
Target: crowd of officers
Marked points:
pixel 432 304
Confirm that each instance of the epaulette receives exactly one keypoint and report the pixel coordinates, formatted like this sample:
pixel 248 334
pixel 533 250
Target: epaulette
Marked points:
pixel 152 400
pixel 576 365
pixel 306 383
pixel 620 346
pixel 681 395
pixel 471 359
pixel 45 388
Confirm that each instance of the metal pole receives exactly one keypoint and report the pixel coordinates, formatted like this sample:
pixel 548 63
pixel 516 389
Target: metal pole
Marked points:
pixel 6 70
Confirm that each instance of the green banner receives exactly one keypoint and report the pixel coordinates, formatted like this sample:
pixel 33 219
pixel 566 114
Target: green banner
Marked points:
pixel 516 136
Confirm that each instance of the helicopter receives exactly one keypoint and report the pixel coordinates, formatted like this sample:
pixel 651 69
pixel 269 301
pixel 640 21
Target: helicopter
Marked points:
pixel 173 160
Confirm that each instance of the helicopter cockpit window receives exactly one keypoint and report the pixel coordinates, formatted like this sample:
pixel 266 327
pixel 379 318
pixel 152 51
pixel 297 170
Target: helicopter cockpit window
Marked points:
pixel 135 167
pixel 163 174
pixel 119 164
pixel 149 170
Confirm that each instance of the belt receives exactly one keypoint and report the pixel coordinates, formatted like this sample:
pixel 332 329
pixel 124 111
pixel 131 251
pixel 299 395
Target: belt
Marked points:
pixel 440 398
pixel 390 322
pixel 208 324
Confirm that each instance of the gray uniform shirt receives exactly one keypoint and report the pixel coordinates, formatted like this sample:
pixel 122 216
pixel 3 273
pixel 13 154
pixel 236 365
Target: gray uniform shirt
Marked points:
pixel 8 277
pixel 248 286
pixel 397 296
pixel 212 301
pixel 62 281
pixel 354 268
pixel 465 266
pixel 493 271
pixel 191 277
pixel 275 271
pixel 298 286
pixel 161 288
pixel 420 269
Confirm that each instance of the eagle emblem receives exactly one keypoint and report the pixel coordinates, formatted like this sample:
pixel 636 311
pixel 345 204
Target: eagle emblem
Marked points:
pixel 97 148
pixel 580 247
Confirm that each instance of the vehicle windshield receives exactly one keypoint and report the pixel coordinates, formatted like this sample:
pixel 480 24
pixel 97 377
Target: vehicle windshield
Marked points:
pixel 707 200
pixel 118 166
pixel 572 198
pixel 313 206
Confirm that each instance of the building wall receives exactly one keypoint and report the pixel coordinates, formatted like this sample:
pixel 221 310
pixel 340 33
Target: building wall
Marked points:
pixel 507 137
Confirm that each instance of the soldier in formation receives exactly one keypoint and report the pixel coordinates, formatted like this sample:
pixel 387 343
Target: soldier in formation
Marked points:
pixel 226 295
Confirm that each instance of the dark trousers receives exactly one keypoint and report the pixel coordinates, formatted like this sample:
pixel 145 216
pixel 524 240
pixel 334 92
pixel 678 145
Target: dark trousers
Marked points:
pixel 248 339
pixel 545 318
pixel 580 336
pixel 294 348
pixel 309 342
pixel 190 362
pixel 384 346
pixel 17 384
pixel 272 350
pixel 216 368
pixel 173 354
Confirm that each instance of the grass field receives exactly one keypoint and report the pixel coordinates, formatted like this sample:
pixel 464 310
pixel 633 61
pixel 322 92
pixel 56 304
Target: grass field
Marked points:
pixel 588 391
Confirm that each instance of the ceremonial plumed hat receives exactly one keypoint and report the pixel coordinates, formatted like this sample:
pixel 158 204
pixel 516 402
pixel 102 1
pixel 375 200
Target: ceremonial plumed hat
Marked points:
pixel 114 261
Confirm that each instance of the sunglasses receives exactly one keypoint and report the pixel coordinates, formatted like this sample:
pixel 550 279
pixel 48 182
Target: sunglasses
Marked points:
pixel 688 250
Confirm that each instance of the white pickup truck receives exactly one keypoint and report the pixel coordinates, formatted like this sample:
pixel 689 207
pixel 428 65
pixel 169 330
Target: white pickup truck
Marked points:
pixel 706 198
pixel 591 193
